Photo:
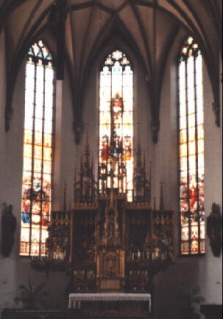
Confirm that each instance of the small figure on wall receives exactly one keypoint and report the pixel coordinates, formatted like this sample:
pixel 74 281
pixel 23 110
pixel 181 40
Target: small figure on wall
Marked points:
pixel 214 225
pixel 8 227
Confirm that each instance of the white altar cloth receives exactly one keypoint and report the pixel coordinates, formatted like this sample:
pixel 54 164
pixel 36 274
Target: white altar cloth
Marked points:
pixel 76 298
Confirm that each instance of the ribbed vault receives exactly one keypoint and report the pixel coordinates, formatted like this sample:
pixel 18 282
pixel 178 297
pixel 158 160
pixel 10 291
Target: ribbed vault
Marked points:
pixel 77 31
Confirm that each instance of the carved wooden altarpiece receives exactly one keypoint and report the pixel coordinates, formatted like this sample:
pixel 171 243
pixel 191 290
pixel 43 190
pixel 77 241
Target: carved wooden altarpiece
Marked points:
pixel 108 243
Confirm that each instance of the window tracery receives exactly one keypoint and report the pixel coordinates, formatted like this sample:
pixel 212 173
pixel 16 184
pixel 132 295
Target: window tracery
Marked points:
pixel 191 149
pixel 37 150
pixel 116 124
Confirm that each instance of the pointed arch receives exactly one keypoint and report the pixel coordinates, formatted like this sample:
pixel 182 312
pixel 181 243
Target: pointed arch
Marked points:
pixel 37 150
pixel 191 149
pixel 113 35
pixel 116 124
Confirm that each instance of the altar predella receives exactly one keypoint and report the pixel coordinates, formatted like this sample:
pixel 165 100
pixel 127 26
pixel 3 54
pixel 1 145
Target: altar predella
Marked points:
pixel 111 240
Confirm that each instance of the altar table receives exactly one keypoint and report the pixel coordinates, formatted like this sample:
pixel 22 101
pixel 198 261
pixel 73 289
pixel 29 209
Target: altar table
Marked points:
pixel 75 299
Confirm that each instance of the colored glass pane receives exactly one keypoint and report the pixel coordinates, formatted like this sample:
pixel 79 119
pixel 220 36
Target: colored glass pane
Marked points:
pixel 191 150
pixel 37 154
pixel 116 121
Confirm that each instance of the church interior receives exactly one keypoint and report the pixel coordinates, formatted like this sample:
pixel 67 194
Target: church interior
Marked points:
pixel 111 159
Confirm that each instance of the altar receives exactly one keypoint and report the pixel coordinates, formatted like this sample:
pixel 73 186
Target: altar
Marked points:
pixel 137 305
pixel 112 240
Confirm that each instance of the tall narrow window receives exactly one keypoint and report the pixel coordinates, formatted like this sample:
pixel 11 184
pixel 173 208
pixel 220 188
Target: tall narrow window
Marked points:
pixel 37 153
pixel 191 149
pixel 116 125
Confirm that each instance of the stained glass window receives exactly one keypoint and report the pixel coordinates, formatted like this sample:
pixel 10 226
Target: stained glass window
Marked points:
pixel 191 149
pixel 37 151
pixel 116 125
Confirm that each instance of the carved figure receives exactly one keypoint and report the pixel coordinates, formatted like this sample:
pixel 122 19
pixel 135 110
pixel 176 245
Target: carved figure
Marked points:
pixel 214 222
pixel 8 229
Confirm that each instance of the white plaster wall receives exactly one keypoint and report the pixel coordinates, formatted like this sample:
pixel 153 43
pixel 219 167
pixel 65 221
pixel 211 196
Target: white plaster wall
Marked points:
pixel 90 122
pixel 65 148
pixel 204 271
pixel 211 267
pixel 15 270
pixel 56 282
pixel 142 120
pixel 173 286
pixel 141 116
pixel 2 111
pixel 10 185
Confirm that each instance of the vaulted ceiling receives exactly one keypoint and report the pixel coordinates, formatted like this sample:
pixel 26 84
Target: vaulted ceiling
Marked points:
pixel 78 30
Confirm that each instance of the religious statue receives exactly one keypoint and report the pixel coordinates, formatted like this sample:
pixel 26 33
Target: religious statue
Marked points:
pixel 214 229
pixel 8 229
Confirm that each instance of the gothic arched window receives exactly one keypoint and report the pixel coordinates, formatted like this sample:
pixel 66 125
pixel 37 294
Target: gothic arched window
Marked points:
pixel 116 125
pixel 191 149
pixel 37 151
